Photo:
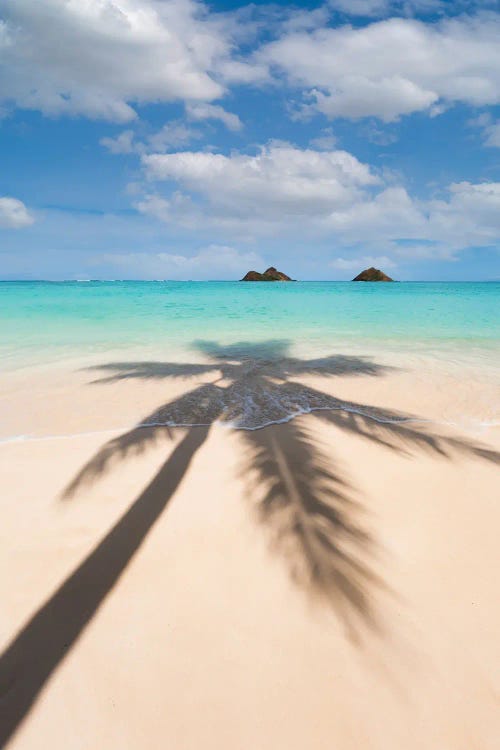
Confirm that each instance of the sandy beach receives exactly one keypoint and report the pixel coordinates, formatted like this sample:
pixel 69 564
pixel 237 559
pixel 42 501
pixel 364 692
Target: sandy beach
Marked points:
pixel 328 582
pixel 249 375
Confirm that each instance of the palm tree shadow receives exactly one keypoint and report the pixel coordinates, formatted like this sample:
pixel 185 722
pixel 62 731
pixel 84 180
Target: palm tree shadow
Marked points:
pixel 307 504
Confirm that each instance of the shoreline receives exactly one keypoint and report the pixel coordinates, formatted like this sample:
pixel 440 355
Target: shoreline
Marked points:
pixel 76 396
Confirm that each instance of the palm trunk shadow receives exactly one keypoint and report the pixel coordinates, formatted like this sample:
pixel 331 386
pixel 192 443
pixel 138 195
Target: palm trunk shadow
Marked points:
pixel 29 660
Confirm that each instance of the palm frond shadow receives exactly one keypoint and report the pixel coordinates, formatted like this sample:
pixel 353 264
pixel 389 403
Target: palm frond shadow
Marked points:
pixel 403 434
pixel 307 504
pixel 131 443
pixel 313 521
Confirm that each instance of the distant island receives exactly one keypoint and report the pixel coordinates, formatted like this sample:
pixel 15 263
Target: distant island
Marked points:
pixel 372 274
pixel 270 275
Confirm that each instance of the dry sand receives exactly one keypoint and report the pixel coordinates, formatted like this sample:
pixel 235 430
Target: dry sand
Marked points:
pixel 172 600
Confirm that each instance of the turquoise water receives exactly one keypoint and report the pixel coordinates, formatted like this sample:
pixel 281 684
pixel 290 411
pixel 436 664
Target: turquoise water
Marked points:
pixel 42 322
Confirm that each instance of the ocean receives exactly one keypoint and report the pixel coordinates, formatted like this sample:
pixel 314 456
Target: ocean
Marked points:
pixel 44 322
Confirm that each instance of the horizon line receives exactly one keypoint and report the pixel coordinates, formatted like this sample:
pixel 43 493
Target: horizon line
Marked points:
pixel 232 281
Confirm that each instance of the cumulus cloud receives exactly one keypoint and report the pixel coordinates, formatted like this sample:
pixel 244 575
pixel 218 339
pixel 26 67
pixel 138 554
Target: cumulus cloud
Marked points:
pixel 392 67
pixel 214 112
pixel 278 181
pixel 389 214
pixel 467 216
pixel 100 57
pixel 306 194
pixel 212 262
pixel 14 214
pixel 471 215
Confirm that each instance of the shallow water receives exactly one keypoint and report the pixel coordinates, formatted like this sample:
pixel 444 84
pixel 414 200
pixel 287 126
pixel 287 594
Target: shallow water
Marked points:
pixel 45 321
pixel 256 340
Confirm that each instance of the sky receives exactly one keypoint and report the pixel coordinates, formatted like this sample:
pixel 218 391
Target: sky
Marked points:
pixel 175 139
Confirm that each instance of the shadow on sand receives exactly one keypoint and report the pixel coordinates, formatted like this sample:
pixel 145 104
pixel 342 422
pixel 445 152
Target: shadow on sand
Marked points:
pixel 304 501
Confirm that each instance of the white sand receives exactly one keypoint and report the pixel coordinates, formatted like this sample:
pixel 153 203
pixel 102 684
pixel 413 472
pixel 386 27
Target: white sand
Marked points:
pixel 201 638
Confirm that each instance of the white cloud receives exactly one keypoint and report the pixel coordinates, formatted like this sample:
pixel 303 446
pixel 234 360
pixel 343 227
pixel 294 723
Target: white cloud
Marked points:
pixel 492 135
pixel 278 182
pixel 468 216
pixel 100 57
pixel 314 195
pixel 299 19
pixel 212 262
pixel 387 98
pixel 123 143
pixel 490 128
pixel 389 214
pixel 14 214
pixel 242 71
pixel 171 136
pixel 176 209
pixel 392 67
pixel 205 111
pixel 381 136
pixel 326 141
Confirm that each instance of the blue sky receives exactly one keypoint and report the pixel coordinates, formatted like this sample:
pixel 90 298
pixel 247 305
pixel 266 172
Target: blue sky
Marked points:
pixel 182 140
